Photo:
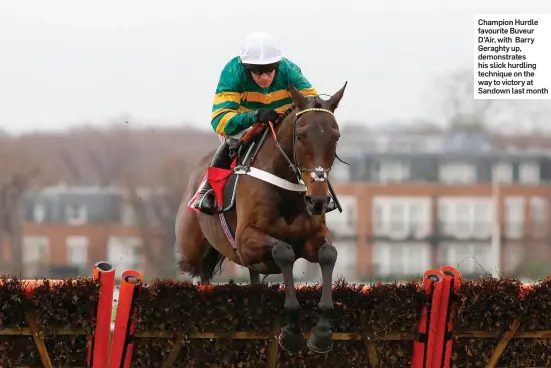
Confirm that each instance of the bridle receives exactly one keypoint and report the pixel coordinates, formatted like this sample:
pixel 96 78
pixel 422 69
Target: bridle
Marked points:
pixel 318 174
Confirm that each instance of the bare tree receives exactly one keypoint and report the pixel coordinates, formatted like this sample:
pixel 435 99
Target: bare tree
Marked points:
pixel 17 170
pixel 155 214
pixel 462 112
pixel 120 156
pixel 175 173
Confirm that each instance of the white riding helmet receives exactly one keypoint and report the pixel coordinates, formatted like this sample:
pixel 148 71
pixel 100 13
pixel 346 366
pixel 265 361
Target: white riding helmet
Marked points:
pixel 260 48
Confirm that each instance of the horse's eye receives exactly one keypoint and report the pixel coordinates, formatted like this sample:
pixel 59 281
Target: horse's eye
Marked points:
pixel 300 137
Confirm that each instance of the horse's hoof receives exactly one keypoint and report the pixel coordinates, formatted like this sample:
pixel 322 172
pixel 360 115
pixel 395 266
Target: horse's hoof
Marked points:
pixel 291 341
pixel 320 342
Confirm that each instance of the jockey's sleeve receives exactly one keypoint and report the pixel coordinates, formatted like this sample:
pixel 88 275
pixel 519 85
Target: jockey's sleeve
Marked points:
pixel 299 81
pixel 226 119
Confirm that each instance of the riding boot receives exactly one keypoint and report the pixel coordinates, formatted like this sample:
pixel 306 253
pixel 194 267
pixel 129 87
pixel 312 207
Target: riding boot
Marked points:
pixel 206 201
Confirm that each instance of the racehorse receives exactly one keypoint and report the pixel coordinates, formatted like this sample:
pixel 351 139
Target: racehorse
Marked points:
pixel 274 219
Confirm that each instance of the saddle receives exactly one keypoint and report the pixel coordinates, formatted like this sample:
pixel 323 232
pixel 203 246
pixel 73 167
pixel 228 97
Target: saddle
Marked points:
pixel 241 152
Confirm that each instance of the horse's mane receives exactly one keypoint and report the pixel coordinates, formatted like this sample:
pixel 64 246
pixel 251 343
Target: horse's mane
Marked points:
pixel 286 113
pixel 293 107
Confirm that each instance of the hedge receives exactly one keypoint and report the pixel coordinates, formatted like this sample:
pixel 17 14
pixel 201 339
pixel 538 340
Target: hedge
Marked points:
pixel 234 325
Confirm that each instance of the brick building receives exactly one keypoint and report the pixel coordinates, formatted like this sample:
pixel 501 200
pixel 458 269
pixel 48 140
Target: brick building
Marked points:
pixel 404 229
pixel 411 201
pixel 420 200
pixel 67 229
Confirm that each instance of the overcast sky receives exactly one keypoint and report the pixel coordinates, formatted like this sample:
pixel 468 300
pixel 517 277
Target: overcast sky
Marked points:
pixel 63 63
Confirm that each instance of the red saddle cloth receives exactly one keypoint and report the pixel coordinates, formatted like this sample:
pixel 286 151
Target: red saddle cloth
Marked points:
pixel 218 178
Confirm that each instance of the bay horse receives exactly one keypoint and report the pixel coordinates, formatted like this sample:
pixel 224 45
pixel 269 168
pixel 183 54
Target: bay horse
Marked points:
pixel 275 220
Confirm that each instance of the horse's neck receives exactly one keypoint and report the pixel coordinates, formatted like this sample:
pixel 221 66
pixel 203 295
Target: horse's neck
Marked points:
pixel 272 160
pixel 270 157
pixel 285 134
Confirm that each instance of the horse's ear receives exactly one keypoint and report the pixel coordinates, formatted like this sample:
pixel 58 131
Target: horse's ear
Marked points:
pixel 333 102
pixel 298 99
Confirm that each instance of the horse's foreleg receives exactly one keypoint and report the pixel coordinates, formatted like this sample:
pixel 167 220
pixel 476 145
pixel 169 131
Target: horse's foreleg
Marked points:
pixel 254 243
pixel 291 338
pixel 321 340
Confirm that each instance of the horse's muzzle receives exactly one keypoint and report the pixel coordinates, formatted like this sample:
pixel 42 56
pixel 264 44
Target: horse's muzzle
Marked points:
pixel 316 205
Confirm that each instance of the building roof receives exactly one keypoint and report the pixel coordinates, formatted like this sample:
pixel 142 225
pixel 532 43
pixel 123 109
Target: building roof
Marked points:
pixel 360 140
pixel 100 204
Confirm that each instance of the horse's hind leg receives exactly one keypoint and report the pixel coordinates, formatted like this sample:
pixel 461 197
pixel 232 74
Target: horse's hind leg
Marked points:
pixel 255 276
pixel 198 258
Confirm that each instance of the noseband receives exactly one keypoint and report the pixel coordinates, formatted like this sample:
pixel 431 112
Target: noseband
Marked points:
pixel 318 174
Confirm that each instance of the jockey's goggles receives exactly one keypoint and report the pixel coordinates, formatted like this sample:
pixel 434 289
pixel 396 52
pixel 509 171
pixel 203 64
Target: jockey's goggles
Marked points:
pixel 261 69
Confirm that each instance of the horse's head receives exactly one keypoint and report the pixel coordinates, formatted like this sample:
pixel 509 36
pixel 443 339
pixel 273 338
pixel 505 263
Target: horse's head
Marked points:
pixel 315 137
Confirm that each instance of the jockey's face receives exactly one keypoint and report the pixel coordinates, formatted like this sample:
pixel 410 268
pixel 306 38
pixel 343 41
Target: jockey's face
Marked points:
pixel 263 75
pixel 264 80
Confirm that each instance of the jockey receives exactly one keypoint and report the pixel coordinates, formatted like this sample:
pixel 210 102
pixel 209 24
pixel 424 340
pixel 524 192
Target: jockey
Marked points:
pixel 253 88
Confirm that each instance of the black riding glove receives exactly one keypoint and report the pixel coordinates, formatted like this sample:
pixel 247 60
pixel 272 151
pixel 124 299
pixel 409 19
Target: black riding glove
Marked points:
pixel 265 115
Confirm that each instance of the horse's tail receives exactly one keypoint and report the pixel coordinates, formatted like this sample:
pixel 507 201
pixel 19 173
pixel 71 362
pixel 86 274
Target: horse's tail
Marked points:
pixel 213 262
pixel 211 265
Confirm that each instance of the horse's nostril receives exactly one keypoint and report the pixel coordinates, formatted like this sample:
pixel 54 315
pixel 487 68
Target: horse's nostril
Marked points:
pixel 315 202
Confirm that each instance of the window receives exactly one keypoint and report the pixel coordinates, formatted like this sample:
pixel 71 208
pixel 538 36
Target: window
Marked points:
pixel 346 260
pixel 36 255
pixel 463 219
pixel 75 214
pixel 401 258
pixel 466 217
pixel 378 218
pixel 393 171
pixel 539 213
pixel 482 219
pixel 514 256
pixel 339 172
pixel 502 173
pixel 529 173
pixel 39 213
pixel 514 217
pixel 397 218
pixel 400 217
pixel 417 226
pixel 444 217
pixel 77 251
pixel 343 224
pixel 468 258
pixel 459 173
